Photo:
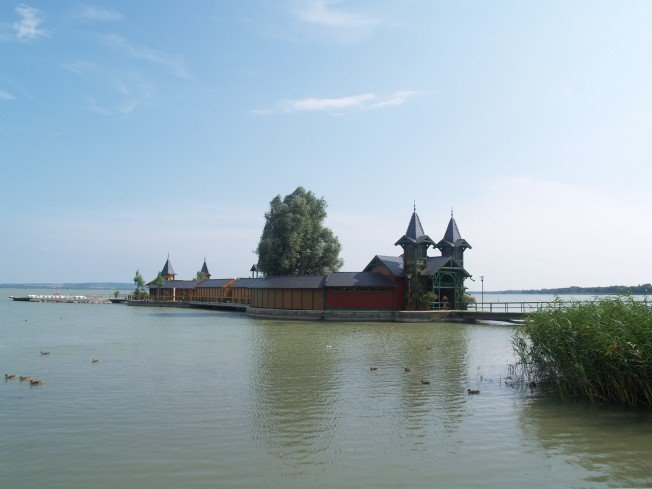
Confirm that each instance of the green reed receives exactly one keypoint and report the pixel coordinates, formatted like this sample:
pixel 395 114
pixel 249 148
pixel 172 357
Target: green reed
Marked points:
pixel 599 350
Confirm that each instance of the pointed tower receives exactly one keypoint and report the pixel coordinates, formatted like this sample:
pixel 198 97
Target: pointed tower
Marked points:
pixel 168 271
pixel 415 243
pixel 204 270
pixel 453 245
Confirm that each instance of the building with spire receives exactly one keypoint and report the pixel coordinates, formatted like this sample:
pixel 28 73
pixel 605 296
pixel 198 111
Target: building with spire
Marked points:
pixel 428 281
pixel 168 272
pixel 204 270
pixel 412 281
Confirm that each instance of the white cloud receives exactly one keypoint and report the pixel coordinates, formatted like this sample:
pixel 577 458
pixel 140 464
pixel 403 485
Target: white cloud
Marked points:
pixel 121 108
pixel 322 12
pixel 92 13
pixel 339 105
pixel 6 96
pixel 27 28
pixel 115 93
pixel 334 21
pixel 173 63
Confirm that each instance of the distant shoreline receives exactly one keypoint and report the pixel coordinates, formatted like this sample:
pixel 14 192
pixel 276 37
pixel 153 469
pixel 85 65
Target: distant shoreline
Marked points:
pixel 73 286
pixel 645 289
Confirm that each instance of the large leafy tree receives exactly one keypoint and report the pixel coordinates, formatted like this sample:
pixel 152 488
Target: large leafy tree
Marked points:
pixel 294 240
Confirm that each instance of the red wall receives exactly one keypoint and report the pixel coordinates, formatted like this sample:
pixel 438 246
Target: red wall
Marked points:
pixel 363 299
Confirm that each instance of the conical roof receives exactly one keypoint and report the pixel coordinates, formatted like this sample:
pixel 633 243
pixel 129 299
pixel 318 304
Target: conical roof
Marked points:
pixel 204 269
pixel 452 233
pixel 167 268
pixel 415 229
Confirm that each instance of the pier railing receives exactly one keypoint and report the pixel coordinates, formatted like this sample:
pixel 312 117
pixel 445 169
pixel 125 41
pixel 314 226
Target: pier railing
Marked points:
pixel 522 307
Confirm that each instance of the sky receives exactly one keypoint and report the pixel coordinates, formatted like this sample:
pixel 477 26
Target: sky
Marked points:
pixel 134 130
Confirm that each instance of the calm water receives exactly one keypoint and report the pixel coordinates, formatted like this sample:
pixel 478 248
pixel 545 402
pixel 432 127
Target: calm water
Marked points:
pixel 199 399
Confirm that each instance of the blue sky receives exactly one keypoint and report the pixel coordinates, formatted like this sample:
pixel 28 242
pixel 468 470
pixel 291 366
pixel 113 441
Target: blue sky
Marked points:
pixel 130 130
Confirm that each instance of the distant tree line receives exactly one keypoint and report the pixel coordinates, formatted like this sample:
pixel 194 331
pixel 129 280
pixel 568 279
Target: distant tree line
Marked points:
pixel 645 289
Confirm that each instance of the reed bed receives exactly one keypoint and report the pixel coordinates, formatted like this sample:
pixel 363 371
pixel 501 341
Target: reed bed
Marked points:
pixel 599 350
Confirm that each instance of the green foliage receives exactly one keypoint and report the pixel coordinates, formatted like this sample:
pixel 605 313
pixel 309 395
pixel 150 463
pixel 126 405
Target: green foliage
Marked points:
pixel 644 289
pixel 599 350
pixel 294 240
pixel 429 297
pixel 139 282
pixel 159 281
pixel 469 299
pixel 116 293
pixel 201 276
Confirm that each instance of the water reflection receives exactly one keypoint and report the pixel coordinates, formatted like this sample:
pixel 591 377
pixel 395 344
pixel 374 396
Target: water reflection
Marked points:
pixel 313 387
pixel 611 444
pixel 293 380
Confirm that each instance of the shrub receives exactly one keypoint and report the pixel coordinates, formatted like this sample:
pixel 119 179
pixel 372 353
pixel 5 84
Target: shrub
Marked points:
pixel 599 350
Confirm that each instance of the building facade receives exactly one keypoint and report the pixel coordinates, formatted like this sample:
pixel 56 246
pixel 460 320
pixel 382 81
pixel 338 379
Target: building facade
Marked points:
pixel 410 281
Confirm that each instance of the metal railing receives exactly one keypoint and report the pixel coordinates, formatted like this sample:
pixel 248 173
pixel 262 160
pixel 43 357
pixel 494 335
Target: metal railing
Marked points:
pixel 522 307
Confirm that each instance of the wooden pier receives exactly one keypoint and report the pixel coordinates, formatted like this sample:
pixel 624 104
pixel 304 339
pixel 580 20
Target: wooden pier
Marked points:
pixel 62 299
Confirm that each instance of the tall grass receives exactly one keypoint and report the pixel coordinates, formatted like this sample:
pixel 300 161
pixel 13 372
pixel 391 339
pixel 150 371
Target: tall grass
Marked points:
pixel 599 350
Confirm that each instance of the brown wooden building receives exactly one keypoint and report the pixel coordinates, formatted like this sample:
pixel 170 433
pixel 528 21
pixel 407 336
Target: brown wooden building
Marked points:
pixel 338 290
pixel 214 290
pixel 240 289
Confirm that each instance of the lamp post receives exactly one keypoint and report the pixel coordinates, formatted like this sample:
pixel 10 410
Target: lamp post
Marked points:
pixel 409 276
pixel 482 288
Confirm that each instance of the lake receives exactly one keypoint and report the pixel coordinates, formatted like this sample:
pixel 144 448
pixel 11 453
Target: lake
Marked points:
pixel 187 398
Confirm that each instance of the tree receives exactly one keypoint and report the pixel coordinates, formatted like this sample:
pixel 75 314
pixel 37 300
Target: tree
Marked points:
pixel 294 240
pixel 159 281
pixel 116 293
pixel 201 276
pixel 140 285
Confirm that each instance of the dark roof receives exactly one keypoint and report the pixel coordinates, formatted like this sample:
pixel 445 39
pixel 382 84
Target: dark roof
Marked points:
pixel 254 268
pixel 393 263
pixel 291 282
pixel 452 234
pixel 167 268
pixel 246 282
pixel 214 282
pixel 415 229
pixel 436 263
pixel 204 269
pixel 414 233
pixel 357 279
pixel 174 284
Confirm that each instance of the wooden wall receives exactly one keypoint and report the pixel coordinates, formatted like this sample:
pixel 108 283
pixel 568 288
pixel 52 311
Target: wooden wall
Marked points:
pixel 301 299
pixel 382 298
